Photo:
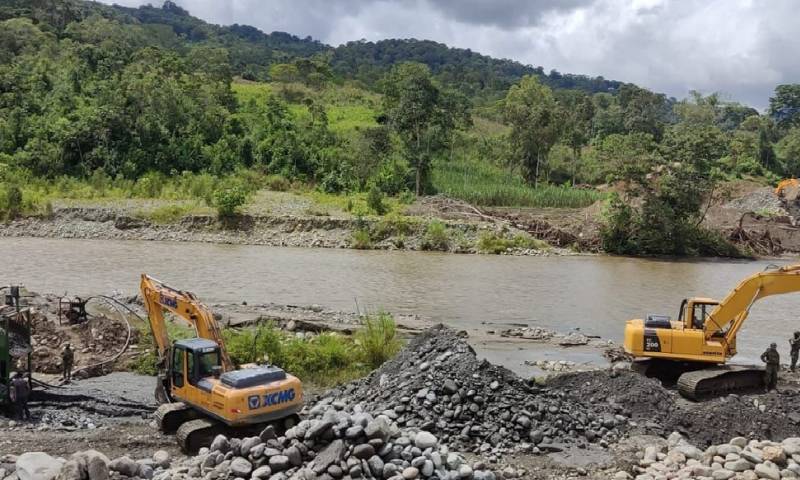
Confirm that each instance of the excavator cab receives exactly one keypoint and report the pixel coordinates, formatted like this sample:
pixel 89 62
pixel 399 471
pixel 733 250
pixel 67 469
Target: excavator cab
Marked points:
pixel 195 362
pixel 695 311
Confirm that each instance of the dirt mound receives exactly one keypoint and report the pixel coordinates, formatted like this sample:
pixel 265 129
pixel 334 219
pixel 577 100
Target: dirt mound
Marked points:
pixel 657 410
pixel 643 399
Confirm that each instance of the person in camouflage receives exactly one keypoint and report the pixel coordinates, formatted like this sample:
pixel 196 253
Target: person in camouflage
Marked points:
pixel 773 360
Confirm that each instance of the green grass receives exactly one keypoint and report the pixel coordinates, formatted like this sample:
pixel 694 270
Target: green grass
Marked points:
pixel 378 339
pixel 324 360
pixel 348 109
pixel 171 213
pixel 251 91
pixel 436 237
pixel 361 239
pixel 497 243
pixel 482 183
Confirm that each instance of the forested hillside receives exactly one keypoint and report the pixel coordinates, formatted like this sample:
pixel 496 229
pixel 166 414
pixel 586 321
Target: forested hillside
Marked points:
pixel 153 102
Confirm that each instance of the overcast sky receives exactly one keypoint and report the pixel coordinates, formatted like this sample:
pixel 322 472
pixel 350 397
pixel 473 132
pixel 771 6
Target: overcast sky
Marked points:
pixel 739 48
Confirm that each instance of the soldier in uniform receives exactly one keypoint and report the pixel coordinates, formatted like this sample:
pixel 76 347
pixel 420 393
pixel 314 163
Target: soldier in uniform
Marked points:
pixel 773 360
pixel 67 359
pixel 794 344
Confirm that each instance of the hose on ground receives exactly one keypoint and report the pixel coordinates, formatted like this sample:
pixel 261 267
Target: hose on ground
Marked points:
pixel 116 305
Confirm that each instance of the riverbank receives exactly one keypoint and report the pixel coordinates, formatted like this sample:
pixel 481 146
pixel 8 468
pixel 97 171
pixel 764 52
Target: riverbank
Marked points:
pixel 397 232
pixel 750 216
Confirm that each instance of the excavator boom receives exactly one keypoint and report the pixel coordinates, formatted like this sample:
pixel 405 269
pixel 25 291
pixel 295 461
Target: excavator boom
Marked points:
pixel 158 297
pixel 732 311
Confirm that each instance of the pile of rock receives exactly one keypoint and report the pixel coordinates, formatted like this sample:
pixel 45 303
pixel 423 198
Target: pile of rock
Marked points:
pixel 334 444
pixel 738 459
pixel 331 445
pixel 529 333
pixel 88 465
pixel 437 384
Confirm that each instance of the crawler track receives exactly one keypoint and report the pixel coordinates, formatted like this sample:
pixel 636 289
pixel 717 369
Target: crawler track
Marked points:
pixel 720 380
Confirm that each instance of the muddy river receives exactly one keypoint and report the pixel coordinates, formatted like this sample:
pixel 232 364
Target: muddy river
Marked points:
pixel 472 292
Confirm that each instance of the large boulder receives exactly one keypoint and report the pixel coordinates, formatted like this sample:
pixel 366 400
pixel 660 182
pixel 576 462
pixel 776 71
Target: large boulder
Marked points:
pixel 71 470
pixel 241 468
pixel 37 466
pixel 125 466
pixel 333 453
pixel 161 459
pixel 94 463
pixel 425 440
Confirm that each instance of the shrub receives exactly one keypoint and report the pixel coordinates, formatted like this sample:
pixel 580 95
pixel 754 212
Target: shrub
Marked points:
pixel 497 243
pixel 168 213
pixel 393 224
pixel 228 200
pixel 377 339
pixel 436 237
pixel 361 239
pixel 277 183
pixel 13 202
pixel 258 344
pixel 375 200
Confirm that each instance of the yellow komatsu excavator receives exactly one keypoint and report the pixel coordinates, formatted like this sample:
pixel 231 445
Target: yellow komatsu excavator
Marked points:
pixel 201 392
pixel 696 346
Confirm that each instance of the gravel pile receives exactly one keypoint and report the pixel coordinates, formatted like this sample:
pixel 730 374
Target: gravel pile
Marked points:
pixel 737 459
pixel 330 445
pixel 437 384
pixel 659 411
pixel 762 200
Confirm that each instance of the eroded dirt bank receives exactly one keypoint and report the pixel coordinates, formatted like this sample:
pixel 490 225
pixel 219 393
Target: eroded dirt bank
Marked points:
pixel 105 223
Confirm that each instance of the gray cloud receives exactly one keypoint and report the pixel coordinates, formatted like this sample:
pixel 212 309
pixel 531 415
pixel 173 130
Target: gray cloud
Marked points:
pixel 741 48
pixel 504 13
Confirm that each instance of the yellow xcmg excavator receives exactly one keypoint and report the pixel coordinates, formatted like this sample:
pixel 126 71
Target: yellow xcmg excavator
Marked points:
pixel 202 394
pixel 697 345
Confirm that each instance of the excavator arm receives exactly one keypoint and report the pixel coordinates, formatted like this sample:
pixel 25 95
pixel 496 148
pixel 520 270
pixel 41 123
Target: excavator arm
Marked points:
pixel 159 297
pixel 729 316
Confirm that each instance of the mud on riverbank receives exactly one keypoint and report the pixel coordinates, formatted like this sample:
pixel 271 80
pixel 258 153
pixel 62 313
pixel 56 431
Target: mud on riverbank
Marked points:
pixel 410 233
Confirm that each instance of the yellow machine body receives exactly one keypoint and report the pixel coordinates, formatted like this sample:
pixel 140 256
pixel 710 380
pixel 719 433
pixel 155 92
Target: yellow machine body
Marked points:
pixel 677 340
pixel 232 405
pixel 706 329
pixel 199 373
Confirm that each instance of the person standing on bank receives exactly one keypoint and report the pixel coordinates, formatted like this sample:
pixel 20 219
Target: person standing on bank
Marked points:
pixel 773 360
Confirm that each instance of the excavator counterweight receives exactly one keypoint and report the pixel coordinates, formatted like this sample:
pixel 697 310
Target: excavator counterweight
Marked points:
pixel 202 394
pixel 703 339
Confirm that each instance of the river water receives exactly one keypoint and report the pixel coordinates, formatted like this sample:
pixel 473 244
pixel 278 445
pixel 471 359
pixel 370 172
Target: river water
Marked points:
pixel 473 292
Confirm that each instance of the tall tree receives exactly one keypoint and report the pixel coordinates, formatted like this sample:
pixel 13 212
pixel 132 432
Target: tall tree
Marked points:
pixel 784 107
pixel 643 110
pixel 536 124
pixel 422 114
pixel 578 114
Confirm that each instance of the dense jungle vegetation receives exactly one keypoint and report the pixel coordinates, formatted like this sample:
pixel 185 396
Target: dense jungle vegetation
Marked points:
pixel 107 101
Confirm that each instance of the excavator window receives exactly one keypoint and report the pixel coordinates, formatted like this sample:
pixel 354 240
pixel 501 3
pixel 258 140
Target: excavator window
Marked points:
pixel 177 367
pixel 190 367
pixel 208 360
pixel 698 318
